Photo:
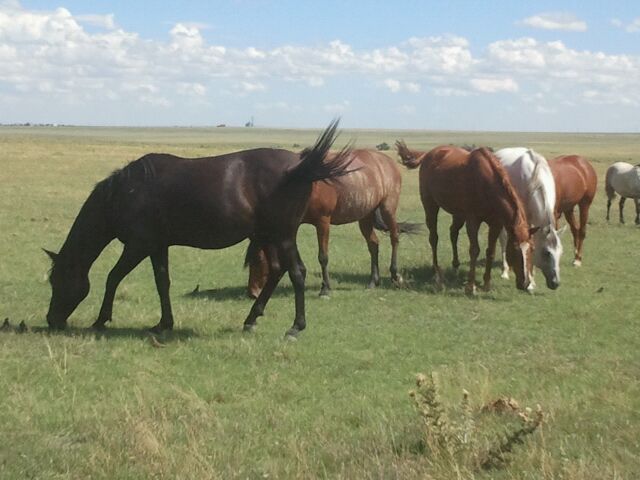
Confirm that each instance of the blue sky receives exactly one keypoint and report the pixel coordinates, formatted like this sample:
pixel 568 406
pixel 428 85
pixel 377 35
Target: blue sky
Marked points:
pixel 467 65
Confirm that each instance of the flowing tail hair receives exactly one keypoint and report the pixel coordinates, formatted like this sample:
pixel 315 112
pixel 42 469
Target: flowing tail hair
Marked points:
pixel 409 158
pixel 403 227
pixel 313 166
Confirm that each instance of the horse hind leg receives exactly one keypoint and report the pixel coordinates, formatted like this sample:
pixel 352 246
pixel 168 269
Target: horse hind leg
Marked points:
pixel 129 259
pixel 276 272
pixel 160 263
pixel 571 220
pixel 474 251
pixel 637 202
pixel 366 228
pixel 454 231
pixel 322 231
pixel 389 218
pixel 494 232
pixel 582 231
pixel 432 224
pixel 621 206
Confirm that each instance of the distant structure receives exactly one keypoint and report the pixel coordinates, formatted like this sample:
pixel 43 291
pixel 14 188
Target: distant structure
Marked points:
pixel 249 123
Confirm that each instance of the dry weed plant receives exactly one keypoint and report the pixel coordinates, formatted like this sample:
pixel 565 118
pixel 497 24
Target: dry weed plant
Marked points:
pixel 475 438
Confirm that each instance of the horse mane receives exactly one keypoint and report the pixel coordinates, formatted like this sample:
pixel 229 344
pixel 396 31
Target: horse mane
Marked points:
pixel 409 158
pixel 519 211
pixel 141 170
pixel 540 163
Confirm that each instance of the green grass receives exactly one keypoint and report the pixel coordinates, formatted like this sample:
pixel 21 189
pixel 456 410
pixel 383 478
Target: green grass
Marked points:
pixel 214 403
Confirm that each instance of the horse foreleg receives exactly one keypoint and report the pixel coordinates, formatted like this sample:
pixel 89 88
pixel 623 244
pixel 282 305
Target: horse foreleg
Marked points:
pixel 160 263
pixel 621 206
pixel 454 230
pixel 129 259
pixel 494 232
pixel 366 228
pixel 474 250
pixel 432 225
pixel 389 218
pixel 275 274
pixel 503 253
pixel 568 215
pixel 609 201
pixel 322 231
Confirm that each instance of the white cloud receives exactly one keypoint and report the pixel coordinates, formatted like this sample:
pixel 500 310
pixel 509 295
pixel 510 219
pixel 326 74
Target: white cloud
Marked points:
pixel 632 27
pixel 556 21
pixel 493 85
pixel 103 21
pixel 396 86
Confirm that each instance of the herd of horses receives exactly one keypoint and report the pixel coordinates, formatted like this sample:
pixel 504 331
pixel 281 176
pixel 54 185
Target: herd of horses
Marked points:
pixel 265 194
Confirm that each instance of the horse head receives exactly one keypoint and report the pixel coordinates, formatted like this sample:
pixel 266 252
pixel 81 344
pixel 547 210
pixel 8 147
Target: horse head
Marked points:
pixel 520 252
pixel 547 254
pixel 69 286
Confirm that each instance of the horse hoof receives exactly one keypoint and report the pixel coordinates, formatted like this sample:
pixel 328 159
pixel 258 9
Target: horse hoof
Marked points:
pixel 249 328
pixel 504 275
pixel 471 290
pixel 292 335
pixel 577 263
pixel 398 282
pixel 486 287
pixel 98 326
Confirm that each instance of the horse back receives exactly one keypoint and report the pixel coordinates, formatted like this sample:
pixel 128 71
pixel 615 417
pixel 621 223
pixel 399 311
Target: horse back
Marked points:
pixel 576 181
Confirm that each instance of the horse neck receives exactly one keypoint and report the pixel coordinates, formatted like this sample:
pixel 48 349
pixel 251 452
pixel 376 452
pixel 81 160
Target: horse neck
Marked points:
pixel 89 234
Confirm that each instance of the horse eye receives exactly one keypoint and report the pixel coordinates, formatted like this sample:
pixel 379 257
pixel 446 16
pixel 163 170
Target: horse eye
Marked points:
pixel 547 253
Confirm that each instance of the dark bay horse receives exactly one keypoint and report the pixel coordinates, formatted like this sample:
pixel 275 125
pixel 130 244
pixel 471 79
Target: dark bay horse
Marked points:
pixel 368 195
pixel 161 200
pixel 576 183
pixel 474 188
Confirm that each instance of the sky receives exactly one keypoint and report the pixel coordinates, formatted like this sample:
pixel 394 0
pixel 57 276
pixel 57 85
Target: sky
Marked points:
pixel 502 65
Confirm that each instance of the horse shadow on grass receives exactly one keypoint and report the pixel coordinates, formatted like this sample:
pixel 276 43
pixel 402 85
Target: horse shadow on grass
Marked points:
pixel 111 333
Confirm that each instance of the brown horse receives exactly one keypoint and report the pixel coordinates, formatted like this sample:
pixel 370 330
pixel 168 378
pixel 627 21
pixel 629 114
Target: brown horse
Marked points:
pixel 368 195
pixel 576 184
pixel 474 188
pixel 161 200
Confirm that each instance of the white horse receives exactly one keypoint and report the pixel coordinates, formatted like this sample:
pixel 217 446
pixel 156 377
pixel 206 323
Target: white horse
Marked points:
pixel 532 179
pixel 623 178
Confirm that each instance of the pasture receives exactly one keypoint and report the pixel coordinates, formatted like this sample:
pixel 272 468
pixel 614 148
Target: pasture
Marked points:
pixel 211 402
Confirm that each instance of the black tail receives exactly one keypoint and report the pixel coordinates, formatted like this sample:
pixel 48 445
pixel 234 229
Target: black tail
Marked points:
pixel 312 166
pixel 403 227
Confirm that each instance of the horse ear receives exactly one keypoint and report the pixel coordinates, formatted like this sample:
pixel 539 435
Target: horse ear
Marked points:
pixel 562 230
pixel 52 255
pixel 533 230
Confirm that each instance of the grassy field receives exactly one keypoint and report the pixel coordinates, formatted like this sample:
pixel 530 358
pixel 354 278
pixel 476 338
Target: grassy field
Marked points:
pixel 214 403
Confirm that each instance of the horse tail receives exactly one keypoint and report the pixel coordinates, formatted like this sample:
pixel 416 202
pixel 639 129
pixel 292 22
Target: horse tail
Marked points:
pixel 313 167
pixel 608 187
pixel 409 158
pixel 403 227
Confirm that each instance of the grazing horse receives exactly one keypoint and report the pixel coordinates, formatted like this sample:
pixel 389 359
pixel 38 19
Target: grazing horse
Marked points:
pixel 576 183
pixel 161 200
pixel 368 195
pixel 624 179
pixel 474 188
pixel 532 179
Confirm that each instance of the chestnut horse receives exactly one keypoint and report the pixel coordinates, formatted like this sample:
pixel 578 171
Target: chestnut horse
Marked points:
pixel 576 183
pixel 368 195
pixel 474 188
pixel 623 178
pixel 161 200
